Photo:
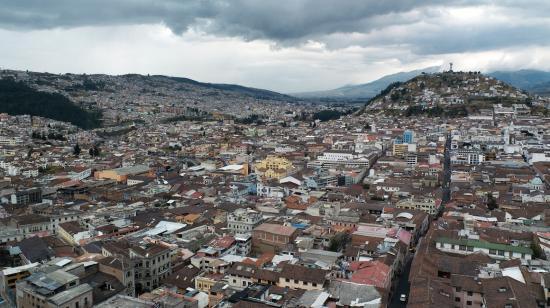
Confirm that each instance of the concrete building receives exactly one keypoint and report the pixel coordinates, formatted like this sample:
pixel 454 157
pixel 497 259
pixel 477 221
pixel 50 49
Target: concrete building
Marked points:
pixel 243 220
pixel 273 167
pixel 465 246
pixel 55 289
pixel 272 238
pixel 121 174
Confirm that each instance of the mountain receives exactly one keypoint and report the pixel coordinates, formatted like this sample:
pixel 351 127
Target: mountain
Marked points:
pixel 16 98
pixel 533 81
pixel 248 91
pixel 446 94
pixel 130 97
pixel 367 90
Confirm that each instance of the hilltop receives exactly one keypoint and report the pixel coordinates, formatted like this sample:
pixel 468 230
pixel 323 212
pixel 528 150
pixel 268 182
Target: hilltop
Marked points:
pixel 446 94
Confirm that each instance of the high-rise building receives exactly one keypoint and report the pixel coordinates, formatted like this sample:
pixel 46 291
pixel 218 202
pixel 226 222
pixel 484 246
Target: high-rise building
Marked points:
pixel 408 136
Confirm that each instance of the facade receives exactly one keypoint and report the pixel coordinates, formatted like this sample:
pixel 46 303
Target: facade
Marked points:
pixel 151 262
pixel 72 232
pixel 408 136
pixel 467 157
pixel 301 277
pixel 243 221
pixel 426 204
pixel 495 251
pixel 272 238
pixel 273 167
pixel 121 174
pixel 345 159
pixel 9 276
pixel 27 196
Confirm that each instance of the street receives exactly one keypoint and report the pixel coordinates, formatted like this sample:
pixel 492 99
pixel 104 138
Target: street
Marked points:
pixel 402 286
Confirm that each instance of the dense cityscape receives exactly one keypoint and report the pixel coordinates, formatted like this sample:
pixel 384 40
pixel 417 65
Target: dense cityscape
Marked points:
pixel 185 205
pixel 274 154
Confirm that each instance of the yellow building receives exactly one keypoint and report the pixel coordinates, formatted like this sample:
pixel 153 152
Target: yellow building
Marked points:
pixel 121 174
pixel 273 167
pixel 399 150
pixel 205 282
pixel 10 276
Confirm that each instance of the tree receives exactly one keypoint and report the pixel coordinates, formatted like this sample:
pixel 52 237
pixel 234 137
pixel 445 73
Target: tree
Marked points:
pixel 491 202
pixel 76 150
pixel 94 151
pixel 338 241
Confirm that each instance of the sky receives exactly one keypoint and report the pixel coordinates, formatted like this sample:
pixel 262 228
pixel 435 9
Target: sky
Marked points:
pixel 282 45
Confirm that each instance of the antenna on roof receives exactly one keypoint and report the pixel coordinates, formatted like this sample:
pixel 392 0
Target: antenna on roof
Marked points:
pixel 450 66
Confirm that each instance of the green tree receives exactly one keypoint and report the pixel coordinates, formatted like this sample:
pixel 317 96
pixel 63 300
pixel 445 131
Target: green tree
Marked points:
pixel 491 202
pixel 76 150
pixel 338 241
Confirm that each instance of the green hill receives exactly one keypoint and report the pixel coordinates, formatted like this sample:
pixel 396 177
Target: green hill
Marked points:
pixel 16 98
pixel 447 94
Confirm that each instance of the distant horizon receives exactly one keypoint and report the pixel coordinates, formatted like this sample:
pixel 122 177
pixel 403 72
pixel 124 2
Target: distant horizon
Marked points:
pixel 281 92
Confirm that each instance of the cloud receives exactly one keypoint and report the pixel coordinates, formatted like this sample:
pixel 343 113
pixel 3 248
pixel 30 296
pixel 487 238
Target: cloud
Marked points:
pixel 425 26
pixel 286 45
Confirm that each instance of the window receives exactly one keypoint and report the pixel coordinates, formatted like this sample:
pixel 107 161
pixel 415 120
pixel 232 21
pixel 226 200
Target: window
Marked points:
pixel 457 299
pixel 501 252
pixel 287 280
pixel 469 303
pixel 470 293
pixel 462 247
pixel 314 284
pixel 492 252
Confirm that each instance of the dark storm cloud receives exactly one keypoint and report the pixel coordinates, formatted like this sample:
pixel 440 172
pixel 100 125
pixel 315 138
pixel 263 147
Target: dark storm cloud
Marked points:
pixel 290 22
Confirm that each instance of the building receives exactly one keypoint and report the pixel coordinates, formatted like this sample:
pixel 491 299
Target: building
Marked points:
pixel 273 167
pixel 426 204
pixel 55 289
pixel 345 159
pixel 401 149
pixel 72 232
pixel 121 174
pixel 301 277
pixel 465 246
pixel 151 262
pixel 26 196
pixel 408 136
pixel 122 270
pixel 9 276
pixel 272 238
pixel 243 220
pixel 467 157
